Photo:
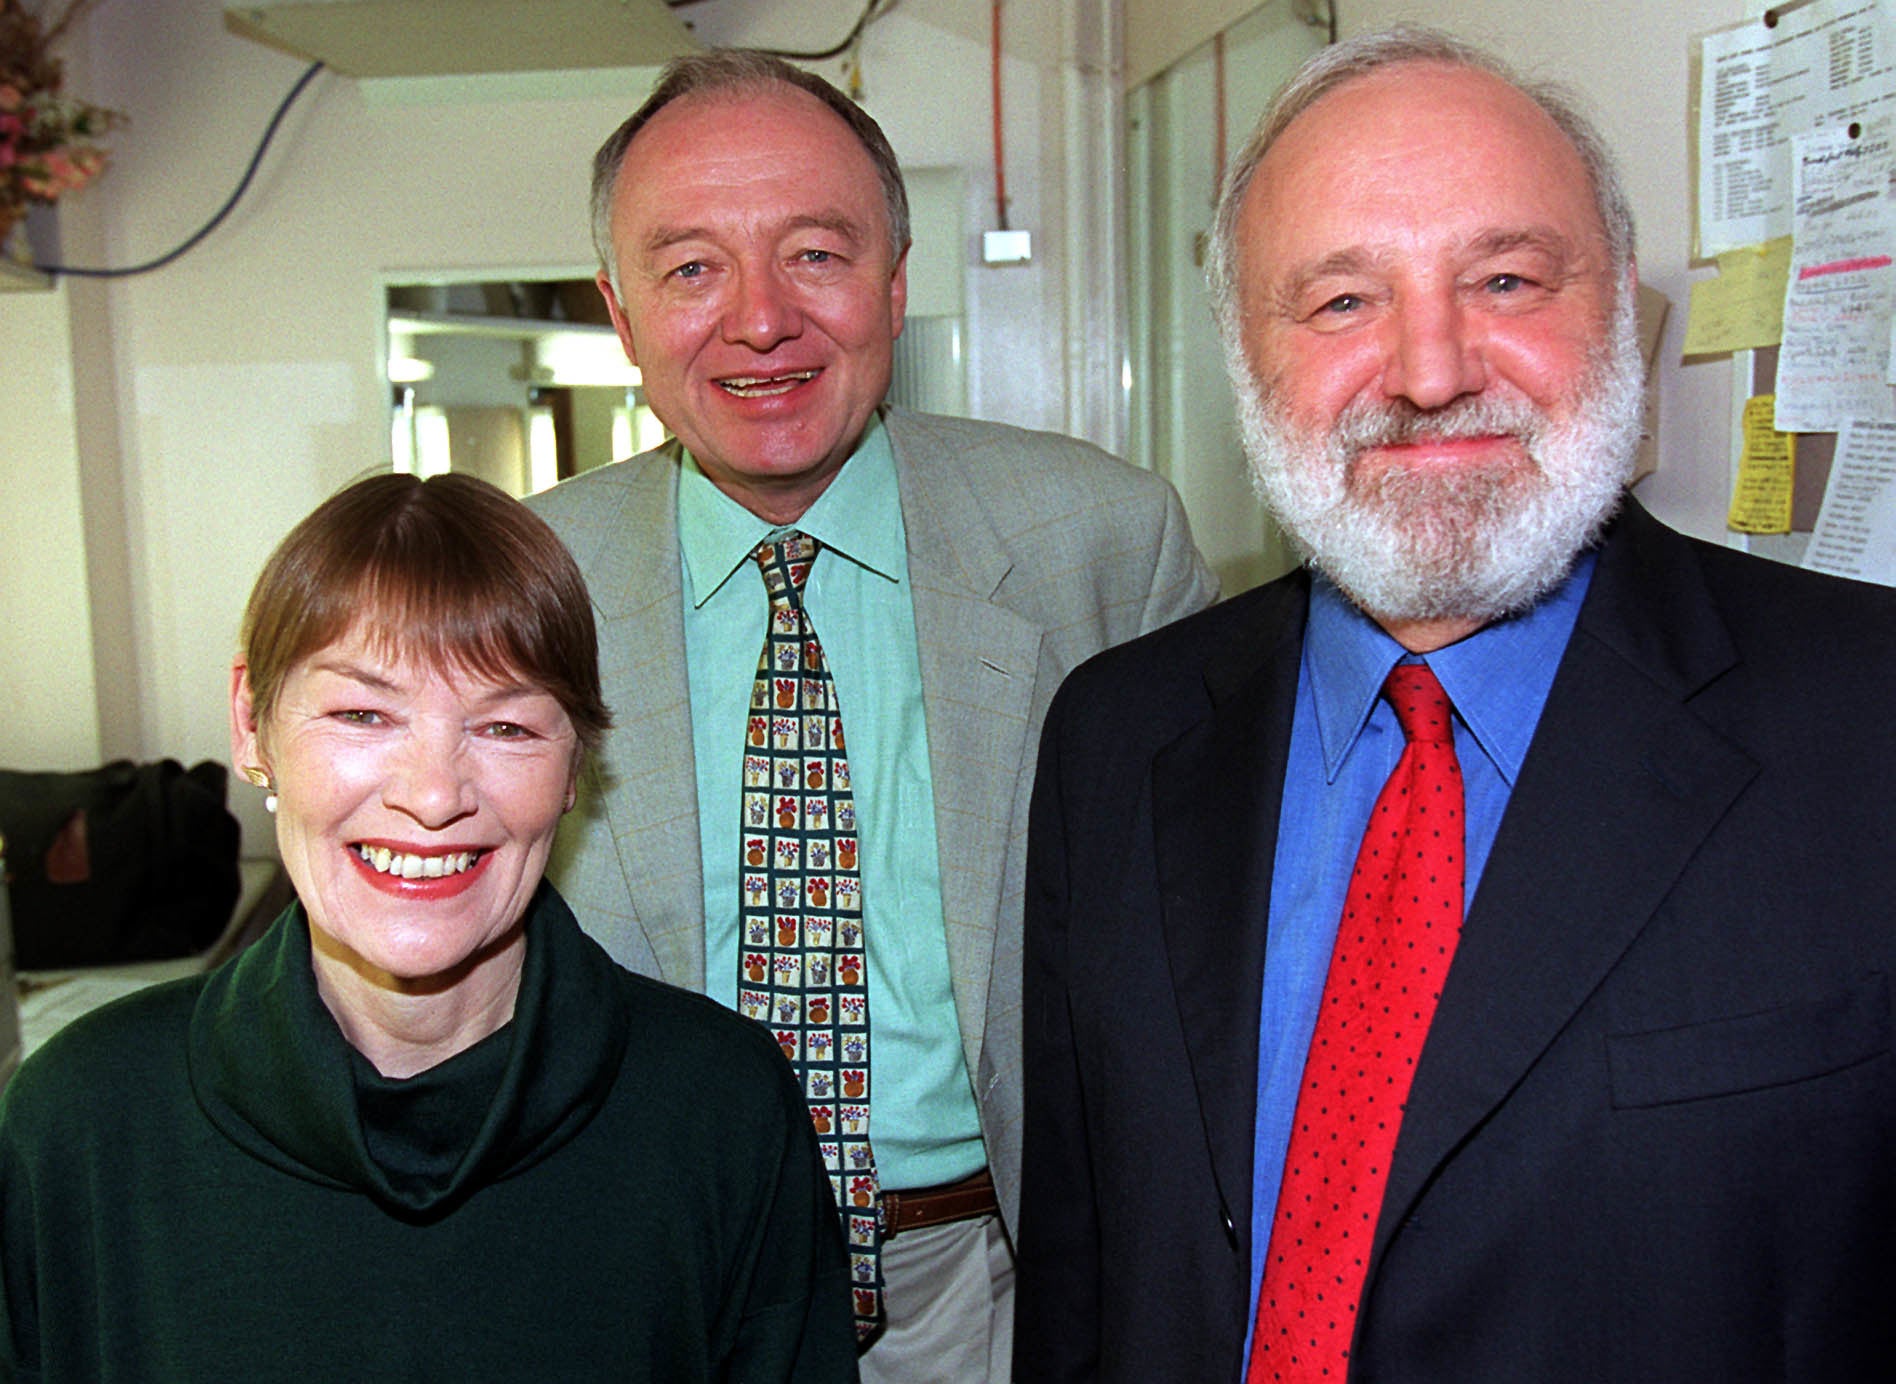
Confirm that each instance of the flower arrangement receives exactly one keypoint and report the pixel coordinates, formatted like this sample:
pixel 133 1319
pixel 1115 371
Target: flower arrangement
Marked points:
pixel 47 146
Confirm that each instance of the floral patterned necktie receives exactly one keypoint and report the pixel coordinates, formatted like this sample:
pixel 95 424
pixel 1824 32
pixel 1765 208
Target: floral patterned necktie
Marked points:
pixel 802 967
pixel 1401 922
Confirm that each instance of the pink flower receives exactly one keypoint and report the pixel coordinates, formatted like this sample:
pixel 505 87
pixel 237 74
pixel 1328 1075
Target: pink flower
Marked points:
pixel 46 147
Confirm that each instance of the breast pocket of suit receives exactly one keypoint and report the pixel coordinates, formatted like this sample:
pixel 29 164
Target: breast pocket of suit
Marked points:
pixel 1751 1052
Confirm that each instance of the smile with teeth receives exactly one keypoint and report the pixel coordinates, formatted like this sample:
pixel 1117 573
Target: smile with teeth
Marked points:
pixel 387 862
pixel 762 386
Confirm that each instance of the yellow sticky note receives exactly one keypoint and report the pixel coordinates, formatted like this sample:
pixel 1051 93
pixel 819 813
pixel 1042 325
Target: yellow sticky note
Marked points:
pixel 1761 496
pixel 1743 308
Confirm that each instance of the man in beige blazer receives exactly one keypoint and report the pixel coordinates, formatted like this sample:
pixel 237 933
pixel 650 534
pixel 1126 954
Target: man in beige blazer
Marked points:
pixel 752 230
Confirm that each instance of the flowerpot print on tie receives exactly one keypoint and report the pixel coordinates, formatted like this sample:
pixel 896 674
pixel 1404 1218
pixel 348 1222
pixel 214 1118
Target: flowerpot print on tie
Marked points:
pixel 802 966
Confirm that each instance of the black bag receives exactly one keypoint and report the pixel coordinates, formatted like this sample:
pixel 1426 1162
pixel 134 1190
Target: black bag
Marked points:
pixel 128 862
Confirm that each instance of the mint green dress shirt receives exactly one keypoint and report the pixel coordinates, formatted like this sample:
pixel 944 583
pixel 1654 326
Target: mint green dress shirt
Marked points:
pixel 924 1127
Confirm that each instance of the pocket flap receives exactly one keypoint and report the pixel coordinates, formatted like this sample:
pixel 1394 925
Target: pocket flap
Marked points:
pixel 1771 1048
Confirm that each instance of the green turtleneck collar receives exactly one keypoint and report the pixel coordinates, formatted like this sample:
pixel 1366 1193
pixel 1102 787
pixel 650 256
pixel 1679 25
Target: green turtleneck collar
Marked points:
pixel 274 1074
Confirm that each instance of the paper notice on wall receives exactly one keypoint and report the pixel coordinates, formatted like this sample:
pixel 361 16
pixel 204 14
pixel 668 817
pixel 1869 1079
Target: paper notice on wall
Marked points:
pixel 1827 62
pixel 1743 307
pixel 1841 297
pixel 1856 529
pixel 1767 469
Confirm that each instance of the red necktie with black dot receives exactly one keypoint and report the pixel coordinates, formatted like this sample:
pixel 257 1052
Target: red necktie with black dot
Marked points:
pixel 802 965
pixel 1401 921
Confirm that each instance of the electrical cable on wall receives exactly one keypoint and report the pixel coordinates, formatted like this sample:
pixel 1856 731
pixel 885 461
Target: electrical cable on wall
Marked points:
pixel 217 219
pixel 1000 152
pixel 1219 120
pixel 1003 245
pixel 871 12
pixel 1318 14
pixel 853 83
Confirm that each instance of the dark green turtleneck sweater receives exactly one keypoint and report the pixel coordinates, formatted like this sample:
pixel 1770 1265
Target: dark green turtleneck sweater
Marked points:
pixel 206 1182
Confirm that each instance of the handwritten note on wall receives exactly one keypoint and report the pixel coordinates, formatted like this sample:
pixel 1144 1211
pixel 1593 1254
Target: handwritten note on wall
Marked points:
pixel 1856 530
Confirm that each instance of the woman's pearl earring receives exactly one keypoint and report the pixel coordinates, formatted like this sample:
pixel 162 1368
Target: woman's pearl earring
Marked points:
pixel 256 775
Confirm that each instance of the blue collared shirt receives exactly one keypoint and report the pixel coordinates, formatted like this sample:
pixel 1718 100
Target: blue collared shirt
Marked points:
pixel 1344 743
pixel 926 1129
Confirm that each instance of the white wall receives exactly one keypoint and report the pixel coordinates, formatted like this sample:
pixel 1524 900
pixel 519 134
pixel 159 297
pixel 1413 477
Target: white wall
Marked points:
pixel 225 395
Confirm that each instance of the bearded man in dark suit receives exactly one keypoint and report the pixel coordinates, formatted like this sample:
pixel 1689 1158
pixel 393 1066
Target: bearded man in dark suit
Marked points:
pixel 1647 1129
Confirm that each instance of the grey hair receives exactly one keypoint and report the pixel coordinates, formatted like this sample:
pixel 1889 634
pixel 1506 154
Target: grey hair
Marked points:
pixel 1342 63
pixel 739 72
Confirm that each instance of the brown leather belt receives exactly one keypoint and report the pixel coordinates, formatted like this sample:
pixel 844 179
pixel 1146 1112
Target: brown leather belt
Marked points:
pixel 951 1201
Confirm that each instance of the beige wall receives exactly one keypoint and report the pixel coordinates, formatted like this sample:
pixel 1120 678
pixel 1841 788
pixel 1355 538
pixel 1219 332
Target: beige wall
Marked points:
pixel 1160 32
pixel 46 676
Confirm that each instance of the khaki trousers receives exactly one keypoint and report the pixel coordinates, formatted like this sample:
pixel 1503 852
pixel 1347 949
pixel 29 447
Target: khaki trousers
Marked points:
pixel 949 1300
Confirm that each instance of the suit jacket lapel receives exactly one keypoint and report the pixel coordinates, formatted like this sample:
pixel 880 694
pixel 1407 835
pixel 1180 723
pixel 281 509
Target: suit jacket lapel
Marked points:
pixel 1215 798
pixel 1620 786
pixel 979 690
pixel 651 801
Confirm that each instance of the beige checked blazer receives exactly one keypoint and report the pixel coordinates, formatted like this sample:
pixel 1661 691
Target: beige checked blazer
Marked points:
pixel 1028 552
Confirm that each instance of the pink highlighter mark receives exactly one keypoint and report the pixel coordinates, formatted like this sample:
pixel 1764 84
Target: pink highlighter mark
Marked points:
pixel 1843 266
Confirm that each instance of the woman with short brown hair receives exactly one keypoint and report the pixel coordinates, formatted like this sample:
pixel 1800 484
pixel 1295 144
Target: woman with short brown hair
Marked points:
pixel 424 1128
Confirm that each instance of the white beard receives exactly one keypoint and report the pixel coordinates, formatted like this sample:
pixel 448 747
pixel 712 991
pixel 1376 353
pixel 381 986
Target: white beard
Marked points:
pixel 1474 543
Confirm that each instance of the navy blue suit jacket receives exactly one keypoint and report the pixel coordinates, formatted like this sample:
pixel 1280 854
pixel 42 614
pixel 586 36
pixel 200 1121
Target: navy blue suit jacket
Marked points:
pixel 1652 1135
